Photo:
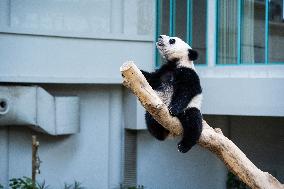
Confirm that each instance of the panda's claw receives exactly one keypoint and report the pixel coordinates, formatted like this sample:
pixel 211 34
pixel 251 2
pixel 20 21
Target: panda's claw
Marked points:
pixel 173 111
pixel 183 148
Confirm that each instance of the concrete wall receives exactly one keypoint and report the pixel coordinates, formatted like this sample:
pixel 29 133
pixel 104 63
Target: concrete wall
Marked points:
pixel 73 41
pixel 159 165
pixel 262 140
pixel 51 42
pixel 93 156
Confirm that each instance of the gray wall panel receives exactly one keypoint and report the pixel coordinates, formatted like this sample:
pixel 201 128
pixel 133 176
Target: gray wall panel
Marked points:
pixel 115 169
pixel 50 42
pixel 243 96
pixel 68 60
pixel 237 96
pixel 4 157
pixel 19 152
pixel 107 19
pixel 92 156
pixel 160 165
pixel 262 140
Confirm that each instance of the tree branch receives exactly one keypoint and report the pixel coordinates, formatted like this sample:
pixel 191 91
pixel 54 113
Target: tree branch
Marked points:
pixel 213 140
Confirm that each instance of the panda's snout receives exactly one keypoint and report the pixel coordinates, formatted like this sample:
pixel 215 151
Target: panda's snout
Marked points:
pixel 160 41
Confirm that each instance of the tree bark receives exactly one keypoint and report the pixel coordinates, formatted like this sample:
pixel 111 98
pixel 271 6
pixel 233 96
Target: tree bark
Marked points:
pixel 211 139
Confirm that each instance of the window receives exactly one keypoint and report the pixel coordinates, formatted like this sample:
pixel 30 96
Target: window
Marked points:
pixel 185 19
pixel 276 31
pixel 250 32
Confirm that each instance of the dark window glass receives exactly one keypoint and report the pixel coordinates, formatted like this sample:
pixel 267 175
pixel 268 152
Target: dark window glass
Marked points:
pixel 198 34
pixel 253 32
pixel 180 18
pixel 276 31
pixel 165 16
pixel 250 32
pixel 189 23
pixel 227 39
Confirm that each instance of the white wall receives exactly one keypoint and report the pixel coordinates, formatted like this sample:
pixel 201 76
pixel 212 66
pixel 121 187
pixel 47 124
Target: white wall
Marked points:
pixel 159 165
pixel 262 140
pixel 32 52
pixel 73 41
pixel 93 156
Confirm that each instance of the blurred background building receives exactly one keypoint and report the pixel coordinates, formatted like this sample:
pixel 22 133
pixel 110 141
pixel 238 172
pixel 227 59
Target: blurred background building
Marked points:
pixel 73 48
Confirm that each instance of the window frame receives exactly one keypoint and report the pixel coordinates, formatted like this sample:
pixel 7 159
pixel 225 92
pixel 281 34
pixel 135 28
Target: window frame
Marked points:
pixel 172 24
pixel 239 37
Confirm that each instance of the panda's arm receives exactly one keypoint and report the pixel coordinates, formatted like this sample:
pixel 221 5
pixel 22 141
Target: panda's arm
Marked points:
pixel 153 78
pixel 186 86
pixel 146 74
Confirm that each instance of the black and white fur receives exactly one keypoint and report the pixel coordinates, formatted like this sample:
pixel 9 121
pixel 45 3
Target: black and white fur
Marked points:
pixel 178 86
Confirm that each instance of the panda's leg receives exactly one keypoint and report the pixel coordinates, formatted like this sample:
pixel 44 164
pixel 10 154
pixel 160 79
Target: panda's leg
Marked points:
pixel 191 120
pixel 157 130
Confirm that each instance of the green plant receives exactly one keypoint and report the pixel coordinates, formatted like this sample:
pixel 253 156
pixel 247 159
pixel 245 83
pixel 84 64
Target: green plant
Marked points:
pixel 42 185
pixel 136 187
pixel 21 183
pixel 76 185
pixel 132 187
pixel 233 182
pixel 67 186
pixel 25 183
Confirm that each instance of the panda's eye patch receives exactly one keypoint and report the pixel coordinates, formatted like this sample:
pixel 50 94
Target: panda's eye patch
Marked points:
pixel 172 41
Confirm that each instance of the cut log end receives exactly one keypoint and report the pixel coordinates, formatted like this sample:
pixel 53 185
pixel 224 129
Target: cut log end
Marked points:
pixel 127 65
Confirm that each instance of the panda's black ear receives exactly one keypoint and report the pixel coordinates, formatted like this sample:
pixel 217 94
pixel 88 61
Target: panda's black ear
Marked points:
pixel 192 54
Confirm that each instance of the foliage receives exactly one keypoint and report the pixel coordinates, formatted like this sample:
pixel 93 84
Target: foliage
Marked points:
pixel 136 187
pixel 132 187
pixel 233 182
pixel 76 185
pixel 26 183
pixel 21 183
pixel 42 185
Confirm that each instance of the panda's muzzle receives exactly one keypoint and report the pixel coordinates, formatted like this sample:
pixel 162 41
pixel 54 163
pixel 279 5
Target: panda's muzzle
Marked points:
pixel 160 41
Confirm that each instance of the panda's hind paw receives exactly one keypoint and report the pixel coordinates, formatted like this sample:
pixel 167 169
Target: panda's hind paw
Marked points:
pixel 183 148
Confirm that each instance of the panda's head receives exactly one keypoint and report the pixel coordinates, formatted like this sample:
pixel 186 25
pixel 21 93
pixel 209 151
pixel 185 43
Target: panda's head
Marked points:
pixel 176 50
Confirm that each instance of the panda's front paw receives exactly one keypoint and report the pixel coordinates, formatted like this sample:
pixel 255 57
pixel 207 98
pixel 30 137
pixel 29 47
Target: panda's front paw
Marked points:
pixel 173 111
pixel 183 147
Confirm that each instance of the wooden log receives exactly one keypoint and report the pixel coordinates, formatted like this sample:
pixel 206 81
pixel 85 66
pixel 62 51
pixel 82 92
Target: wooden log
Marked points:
pixel 211 139
pixel 34 149
pixel 35 165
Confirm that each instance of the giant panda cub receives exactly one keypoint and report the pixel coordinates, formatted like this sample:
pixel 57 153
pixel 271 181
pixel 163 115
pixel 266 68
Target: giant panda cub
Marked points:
pixel 178 86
